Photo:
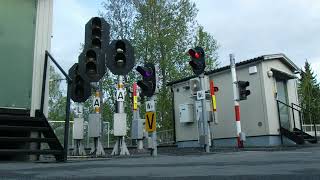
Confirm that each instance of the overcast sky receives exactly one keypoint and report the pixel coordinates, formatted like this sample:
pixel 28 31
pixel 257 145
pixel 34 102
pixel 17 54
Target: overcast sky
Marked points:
pixel 247 28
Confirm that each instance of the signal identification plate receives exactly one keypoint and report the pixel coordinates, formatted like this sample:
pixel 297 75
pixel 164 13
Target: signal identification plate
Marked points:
pixel 150 106
pixel 201 95
pixel 150 124
pixel 120 95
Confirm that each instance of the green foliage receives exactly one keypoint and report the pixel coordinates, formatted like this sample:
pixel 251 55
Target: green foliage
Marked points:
pixel 120 16
pixel 57 104
pixel 161 36
pixel 161 32
pixel 210 46
pixel 309 95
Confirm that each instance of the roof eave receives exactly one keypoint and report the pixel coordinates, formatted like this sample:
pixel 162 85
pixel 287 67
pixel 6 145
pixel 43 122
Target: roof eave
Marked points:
pixel 285 58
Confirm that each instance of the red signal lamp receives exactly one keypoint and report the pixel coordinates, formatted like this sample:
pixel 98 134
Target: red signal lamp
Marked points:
pixel 194 54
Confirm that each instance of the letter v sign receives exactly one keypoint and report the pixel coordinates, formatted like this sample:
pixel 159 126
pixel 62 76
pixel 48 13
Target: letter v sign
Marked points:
pixel 150 121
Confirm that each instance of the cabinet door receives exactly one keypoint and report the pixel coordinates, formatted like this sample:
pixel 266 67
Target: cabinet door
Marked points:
pixel 17 32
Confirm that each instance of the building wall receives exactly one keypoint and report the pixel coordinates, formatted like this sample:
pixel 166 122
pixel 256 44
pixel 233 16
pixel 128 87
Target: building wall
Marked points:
pixel 17 33
pixel 270 94
pixel 259 116
pixel 25 34
pixel 184 131
pixel 42 43
pixel 253 118
pixel 252 110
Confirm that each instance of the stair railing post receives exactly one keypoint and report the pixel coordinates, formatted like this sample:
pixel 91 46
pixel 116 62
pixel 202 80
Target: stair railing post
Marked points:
pixel 294 121
pixel 44 78
pixel 66 125
pixel 301 127
pixel 279 122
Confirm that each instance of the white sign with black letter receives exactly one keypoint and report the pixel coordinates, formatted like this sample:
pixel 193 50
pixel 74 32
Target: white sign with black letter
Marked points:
pixel 150 106
pixel 79 109
pixel 120 95
pixel 96 102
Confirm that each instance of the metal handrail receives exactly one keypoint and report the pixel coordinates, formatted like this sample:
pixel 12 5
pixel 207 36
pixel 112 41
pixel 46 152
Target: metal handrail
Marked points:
pixel 300 117
pixel 293 104
pixel 287 105
pixel 292 108
pixel 313 122
pixel 69 82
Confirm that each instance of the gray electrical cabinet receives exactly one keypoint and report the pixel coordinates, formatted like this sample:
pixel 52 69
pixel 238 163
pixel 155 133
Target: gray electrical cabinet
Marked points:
pixel 137 129
pixel 186 113
pixel 94 125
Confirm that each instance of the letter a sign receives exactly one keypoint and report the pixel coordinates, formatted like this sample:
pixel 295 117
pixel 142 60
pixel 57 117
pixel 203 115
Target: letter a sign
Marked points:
pixel 96 102
pixel 150 121
pixel 120 95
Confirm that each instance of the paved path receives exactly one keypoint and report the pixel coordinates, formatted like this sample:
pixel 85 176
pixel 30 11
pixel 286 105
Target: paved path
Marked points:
pixel 287 164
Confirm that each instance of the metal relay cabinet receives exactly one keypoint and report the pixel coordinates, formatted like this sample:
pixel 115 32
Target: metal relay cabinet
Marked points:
pixel 186 113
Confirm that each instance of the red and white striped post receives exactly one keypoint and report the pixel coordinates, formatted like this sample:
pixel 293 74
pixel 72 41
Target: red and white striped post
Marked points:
pixel 236 99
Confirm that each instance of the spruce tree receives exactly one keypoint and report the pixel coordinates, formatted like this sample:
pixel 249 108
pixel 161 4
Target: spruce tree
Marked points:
pixel 309 95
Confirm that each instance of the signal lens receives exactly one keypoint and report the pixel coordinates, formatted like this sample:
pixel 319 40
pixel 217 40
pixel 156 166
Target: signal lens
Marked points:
pixel 193 65
pixel 194 54
pixel 144 72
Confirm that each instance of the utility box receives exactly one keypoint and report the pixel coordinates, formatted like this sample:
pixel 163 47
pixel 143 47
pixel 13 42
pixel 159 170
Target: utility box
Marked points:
pixel 137 128
pixel 149 143
pixel 186 113
pixel 120 124
pixel 77 131
pixel 198 110
pixel 94 125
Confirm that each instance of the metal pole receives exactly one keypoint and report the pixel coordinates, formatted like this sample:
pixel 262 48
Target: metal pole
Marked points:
pixel 173 117
pixel 66 125
pixel 294 121
pixel 154 134
pixel 108 135
pixel 301 131
pixel 120 147
pixel 101 101
pixel 236 99
pixel 120 107
pixel 214 110
pixel 88 138
pixel 44 78
pixel 99 151
pixel 136 115
pixel 204 115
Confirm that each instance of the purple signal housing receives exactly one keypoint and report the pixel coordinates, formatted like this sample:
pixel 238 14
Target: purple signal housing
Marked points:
pixel 144 71
pixel 147 74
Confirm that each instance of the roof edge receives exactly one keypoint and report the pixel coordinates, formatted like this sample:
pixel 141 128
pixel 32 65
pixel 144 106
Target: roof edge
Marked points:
pixel 280 56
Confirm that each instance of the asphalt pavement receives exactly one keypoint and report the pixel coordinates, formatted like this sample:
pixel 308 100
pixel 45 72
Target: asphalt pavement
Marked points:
pixel 247 164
